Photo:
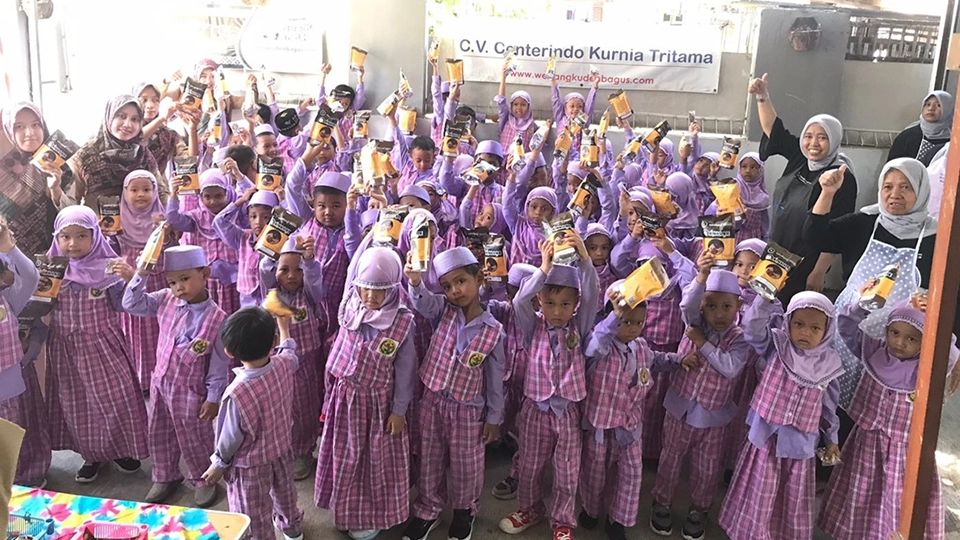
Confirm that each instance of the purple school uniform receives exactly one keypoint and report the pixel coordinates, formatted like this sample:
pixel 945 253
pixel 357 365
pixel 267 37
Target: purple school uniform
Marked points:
pixel 363 473
pixel 253 442
pixel 143 333
pixel 248 259
pixel 409 174
pixel 509 132
pixel 560 116
pixel 456 187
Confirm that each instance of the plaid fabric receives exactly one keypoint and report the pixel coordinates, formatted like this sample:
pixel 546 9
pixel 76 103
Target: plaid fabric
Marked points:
pixel 544 436
pixel 548 375
pixel 225 295
pixel 162 146
pixel 27 207
pixel 755 224
pixel 485 195
pixel 333 254
pixel 265 407
pixel 653 410
pixel 703 445
pixel 769 498
pixel 213 247
pixel 878 407
pixel 143 333
pixel 452 434
pixel 363 473
pixel 605 273
pixel 308 400
pixel 615 395
pixel 307 325
pixel 862 499
pixel 736 430
pixel 508 136
pixel 10 350
pixel 610 478
pixel 361 361
pixel 780 399
pixel 94 403
pixel 706 385
pixel 263 492
pixel 445 369
pixel 248 265
pixel 29 412
pixel 664 324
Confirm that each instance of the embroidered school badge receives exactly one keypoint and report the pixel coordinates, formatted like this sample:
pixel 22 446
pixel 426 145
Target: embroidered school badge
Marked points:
pixel 572 340
pixel 96 293
pixel 387 347
pixel 644 376
pixel 199 346
pixel 911 397
pixel 475 359
pixel 3 314
pixel 300 315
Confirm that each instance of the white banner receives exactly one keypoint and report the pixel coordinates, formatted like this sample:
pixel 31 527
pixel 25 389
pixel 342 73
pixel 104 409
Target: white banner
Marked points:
pixel 659 58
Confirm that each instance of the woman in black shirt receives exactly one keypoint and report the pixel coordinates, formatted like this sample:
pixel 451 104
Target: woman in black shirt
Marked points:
pixel 814 153
pixel 923 139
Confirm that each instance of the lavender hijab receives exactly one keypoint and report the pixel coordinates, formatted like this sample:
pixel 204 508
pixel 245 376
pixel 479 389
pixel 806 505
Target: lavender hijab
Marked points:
pixel 430 280
pixel 815 366
pixel 91 269
pixel 213 178
pixel 754 194
pixel 528 234
pixel 524 123
pixel 681 187
pixel 138 225
pixel 378 268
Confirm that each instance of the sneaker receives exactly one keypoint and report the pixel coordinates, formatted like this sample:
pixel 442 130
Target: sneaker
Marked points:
pixel 518 522
pixel 562 533
pixel 461 528
pixel 128 465
pixel 661 521
pixel 35 483
pixel 586 521
pixel 418 529
pixel 205 496
pixel 286 536
pixel 695 527
pixel 368 534
pixel 302 468
pixel 160 492
pixel 88 473
pixel 506 489
pixel 615 531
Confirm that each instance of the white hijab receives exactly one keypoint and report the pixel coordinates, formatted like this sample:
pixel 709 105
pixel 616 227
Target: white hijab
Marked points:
pixel 834 130
pixel 918 220
pixel 941 128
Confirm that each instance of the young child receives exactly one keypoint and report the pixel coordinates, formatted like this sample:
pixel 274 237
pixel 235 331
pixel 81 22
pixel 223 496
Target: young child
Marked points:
pixel 440 91
pixel 515 116
pixel 685 224
pixel 862 499
pixel 86 350
pixel 462 405
pixel 491 217
pixel 661 164
pixel 599 245
pixel 488 190
pixel 793 409
pixel 259 207
pixel 253 435
pixel 554 384
pixel 349 100
pixel 699 402
pixel 416 160
pixel 527 228
pixel 373 366
pixel 414 196
pixel 298 278
pixel 191 371
pixel 216 193
pixel 705 169
pixel 21 401
pixel 754 196
pixel 570 106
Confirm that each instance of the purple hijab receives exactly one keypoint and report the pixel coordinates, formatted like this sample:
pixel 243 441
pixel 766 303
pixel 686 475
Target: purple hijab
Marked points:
pixel 821 364
pixel 753 195
pixel 91 269
pixel 499 220
pixel 703 182
pixel 378 268
pixel 521 124
pixel 138 225
pixel 430 280
pixel 213 178
pixel 681 187
pixel 632 175
pixel 667 146
pixel 528 234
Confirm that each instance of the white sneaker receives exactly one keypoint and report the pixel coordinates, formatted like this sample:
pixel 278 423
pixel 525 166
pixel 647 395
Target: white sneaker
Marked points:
pixel 368 534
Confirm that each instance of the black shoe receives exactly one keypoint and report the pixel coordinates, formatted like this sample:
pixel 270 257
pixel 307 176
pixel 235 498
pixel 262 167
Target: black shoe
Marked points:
pixel 661 521
pixel 696 525
pixel 586 521
pixel 418 529
pixel 128 465
pixel 88 473
pixel 461 528
pixel 615 531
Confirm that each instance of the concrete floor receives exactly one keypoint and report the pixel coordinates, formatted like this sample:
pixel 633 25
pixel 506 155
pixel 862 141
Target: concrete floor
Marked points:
pixel 318 524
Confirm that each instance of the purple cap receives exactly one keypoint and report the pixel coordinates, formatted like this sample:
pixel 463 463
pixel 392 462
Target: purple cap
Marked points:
pixel 490 147
pixel 904 312
pixel 723 281
pixel 753 245
pixel 290 246
pixel 445 87
pixel 541 161
pixel 450 260
pixel 462 163
pixel 369 218
pixel 594 229
pixel 179 258
pixel 264 129
pixel 265 198
pixel 520 272
pixel 576 170
pixel 434 185
pixel 481 117
pixel 335 180
pixel 563 276
pixel 414 190
pixel 220 154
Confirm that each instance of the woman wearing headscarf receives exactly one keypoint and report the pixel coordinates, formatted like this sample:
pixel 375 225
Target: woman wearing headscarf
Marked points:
pixel 812 154
pixel 28 201
pixel 924 138
pixel 103 163
pixel 164 143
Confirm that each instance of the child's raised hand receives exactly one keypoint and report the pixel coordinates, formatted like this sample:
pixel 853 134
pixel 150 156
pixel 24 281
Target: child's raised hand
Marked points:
pixel 209 410
pixel 615 298
pixel 353 196
pixel 577 242
pixel 307 102
pixel 695 334
pixel 690 362
pixel 871 283
pixel 694 129
pixel 546 252
pixel 660 177
pixel 7 240
pixel 245 198
pixel 685 150
pixel 121 268
pixel 213 474
pixel 491 433
pixel 308 246
pixel 595 79
pixel 705 263
pixel 663 243
pixel 396 424
pixel 325 69
pixel 413 277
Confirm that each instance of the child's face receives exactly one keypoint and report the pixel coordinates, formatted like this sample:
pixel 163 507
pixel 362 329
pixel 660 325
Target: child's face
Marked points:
pixel 266 145
pixel 630 327
pixel 139 193
pixel 126 124
pixel 486 218
pixel 714 169
pixel 258 216
pixel 27 131
pixel 372 299
pixel 572 183
pixel 519 107
pixel 661 158
pixel 188 285
pixel 434 198
pixel 573 107
pixel 206 76
pixel 413 202
pixel 289 273
pixel 558 306
pixel 720 310
pixel 422 159
pixel 903 340
pixel 329 209
pixel 326 153
pixel 539 210
pixel 150 102
pixel 743 266
pixel 539 178
pixel 344 102
pixel 461 288
pixel 75 241
pixel 214 198
pixel 702 167
pixel 598 247
pixel 749 170
pixel 807 328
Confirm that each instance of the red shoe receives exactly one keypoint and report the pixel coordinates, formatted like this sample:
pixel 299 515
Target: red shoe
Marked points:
pixel 562 533
pixel 518 522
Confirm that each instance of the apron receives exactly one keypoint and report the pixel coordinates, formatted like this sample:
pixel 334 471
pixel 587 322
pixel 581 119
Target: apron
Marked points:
pixel 874 259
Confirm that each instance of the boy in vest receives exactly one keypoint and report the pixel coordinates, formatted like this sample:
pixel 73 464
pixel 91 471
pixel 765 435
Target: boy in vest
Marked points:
pixel 190 375
pixel 462 406
pixel 254 442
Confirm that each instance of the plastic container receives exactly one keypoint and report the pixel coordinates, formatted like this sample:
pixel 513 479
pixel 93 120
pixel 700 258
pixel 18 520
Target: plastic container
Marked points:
pixel 105 530
pixel 27 527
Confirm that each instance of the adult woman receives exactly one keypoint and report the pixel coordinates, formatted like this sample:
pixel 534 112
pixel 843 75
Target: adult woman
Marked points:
pixel 162 142
pixel 814 153
pixel 27 201
pixel 923 139
pixel 101 165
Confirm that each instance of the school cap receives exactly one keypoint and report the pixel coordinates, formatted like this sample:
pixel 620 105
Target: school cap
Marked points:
pixel 490 147
pixel 563 276
pixel 519 272
pixel 414 190
pixel 287 119
pixel 264 129
pixel 462 163
pixel 179 258
pixel 265 198
pixel 369 218
pixel 290 246
pixel 433 184
pixel 335 180
pixel 450 260
pixel 723 281
pixel 445 87
pixel 753 245
pixel 220 154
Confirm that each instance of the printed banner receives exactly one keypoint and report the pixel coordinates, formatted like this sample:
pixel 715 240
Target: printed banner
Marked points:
pixel 659 58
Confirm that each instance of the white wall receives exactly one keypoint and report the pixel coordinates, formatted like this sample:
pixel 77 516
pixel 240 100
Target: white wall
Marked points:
pixel 882 96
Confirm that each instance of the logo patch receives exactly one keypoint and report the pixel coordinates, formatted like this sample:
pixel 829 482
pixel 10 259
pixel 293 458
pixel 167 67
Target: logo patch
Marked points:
pixel 475 359
pixel 644 376
pixel 911 397
pixel 199 346
pixel 3 314
pixel 96 293
pixel 387 347
pixel 300 315
pixel 572 340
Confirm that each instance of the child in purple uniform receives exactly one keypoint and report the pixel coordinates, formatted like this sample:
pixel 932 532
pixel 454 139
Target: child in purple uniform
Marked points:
pixel 258 206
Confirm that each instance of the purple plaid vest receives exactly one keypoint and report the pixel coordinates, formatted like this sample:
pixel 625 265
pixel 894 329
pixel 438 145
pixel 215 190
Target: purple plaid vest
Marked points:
pixel 460 374
pixel 369 363
pixel 265 404
pixel 548 375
